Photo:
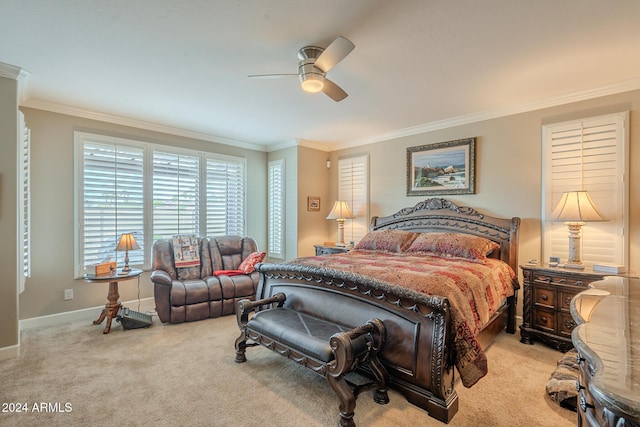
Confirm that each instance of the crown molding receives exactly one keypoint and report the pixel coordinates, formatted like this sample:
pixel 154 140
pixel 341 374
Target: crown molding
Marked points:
pixel 13 72
pixel 140 124
pixel 626 86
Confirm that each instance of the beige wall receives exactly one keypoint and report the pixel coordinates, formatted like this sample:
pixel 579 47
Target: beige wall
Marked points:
pixel 8 214
pixel 508 167
pixel 52 183
pixel 313 180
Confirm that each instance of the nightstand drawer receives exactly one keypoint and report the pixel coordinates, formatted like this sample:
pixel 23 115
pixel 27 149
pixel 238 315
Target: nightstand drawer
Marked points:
pixel 544 320
pixel 557 279
pixel 565 325
pixel 545 297
pixel 565 299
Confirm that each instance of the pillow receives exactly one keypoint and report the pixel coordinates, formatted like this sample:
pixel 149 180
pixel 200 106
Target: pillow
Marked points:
pixel 454 245
pixel 228 273
pixel 248 265
pixel 386 240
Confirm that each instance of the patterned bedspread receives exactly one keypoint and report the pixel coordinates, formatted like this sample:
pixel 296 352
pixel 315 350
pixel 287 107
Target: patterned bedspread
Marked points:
pixel 475 289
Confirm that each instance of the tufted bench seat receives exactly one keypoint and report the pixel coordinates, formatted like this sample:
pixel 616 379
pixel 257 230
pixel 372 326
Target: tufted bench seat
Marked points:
pixel 326 347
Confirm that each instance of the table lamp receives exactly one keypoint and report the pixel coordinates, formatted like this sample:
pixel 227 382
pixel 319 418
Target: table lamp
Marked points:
pixel 340 212
pixel 574 209
pixel 127 243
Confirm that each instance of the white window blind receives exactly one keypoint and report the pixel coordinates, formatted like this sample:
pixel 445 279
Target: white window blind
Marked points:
pixel 276 209
pixel 590 155
pixel 225 196
pixel 112 188
pixel 353 186
pixel 25 204
pixel 152 191
pixel 176 194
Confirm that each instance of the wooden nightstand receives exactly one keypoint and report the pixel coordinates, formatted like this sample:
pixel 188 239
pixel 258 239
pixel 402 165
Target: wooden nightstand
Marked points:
pixel 546 303
pixel 328 250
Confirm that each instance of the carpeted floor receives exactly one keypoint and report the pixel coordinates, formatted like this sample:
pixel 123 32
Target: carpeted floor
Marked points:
pixel 185 375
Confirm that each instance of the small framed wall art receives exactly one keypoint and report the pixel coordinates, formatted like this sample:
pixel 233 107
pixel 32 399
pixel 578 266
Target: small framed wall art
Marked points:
pixel 313 203
pixel 441 168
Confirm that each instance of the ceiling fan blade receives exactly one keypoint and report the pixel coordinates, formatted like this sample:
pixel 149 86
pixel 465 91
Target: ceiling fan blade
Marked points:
pixel 334 53
pixel 270 76
pixel 333 91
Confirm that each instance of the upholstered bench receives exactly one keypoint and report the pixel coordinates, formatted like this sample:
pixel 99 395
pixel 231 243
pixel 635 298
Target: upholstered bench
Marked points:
pixel 323 346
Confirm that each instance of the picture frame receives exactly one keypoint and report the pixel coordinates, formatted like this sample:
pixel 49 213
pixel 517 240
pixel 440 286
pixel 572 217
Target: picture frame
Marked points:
pixel 313 203
pixel 441 168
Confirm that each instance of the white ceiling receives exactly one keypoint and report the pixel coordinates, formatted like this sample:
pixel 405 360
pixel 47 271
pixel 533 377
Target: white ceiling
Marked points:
pixel 418 64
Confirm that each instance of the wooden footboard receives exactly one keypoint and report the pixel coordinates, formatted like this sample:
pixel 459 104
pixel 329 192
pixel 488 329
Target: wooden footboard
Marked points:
pixel 417 354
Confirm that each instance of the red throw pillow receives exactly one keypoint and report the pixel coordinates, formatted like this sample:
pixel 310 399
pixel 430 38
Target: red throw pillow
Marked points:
pixel 249 263
pixel 228 272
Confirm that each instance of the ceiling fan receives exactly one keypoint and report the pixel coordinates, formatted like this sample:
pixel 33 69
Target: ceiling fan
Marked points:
pixel 314 64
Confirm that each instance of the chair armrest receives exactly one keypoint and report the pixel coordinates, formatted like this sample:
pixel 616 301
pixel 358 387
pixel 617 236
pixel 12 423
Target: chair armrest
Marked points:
pixel 246 307
pixel 161 277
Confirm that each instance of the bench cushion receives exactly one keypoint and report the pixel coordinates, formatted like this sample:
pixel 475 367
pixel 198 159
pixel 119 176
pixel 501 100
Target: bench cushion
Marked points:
pixel 301 332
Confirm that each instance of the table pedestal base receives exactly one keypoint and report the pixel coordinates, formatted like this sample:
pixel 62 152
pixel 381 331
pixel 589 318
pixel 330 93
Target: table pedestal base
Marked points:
pixel 111 308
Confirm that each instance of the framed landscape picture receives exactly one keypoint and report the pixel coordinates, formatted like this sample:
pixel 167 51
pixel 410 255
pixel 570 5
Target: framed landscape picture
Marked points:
pixel 441 168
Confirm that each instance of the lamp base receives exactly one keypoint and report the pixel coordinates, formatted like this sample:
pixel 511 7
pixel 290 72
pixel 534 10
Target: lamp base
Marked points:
pixel 574 266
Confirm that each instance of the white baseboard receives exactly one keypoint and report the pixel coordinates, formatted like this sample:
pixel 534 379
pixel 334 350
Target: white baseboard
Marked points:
pixel 92 313
pixel 10 352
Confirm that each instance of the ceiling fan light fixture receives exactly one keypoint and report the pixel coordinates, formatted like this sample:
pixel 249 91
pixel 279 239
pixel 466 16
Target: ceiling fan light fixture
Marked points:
pixel 313 83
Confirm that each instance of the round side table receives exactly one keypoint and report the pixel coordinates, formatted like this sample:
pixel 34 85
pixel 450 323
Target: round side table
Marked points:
pixel 111 308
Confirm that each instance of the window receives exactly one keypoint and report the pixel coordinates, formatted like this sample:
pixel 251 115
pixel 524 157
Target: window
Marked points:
pixel 153 191
pixel 112 200
pixel 225 184
pixel 25 204
pixel 276 209
pixel 176 194
pixel 590 155
pixel 353 186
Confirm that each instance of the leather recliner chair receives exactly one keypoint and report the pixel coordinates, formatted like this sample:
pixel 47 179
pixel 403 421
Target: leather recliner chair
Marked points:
pixel 196 293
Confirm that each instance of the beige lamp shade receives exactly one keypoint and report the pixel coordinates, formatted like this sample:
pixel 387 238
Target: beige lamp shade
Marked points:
pixel 340 210
pixel 127 243
pixel 576 206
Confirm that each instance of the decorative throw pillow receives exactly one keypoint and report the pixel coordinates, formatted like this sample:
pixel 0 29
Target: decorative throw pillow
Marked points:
pixel 228 273
pixel 248 265
pixel 386 240
pixel 454 245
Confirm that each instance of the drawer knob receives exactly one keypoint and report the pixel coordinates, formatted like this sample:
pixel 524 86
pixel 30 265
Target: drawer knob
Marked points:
pixel 544 319
pixel 569 324
pixel 567 300
pixel 584 405
pixel 544 297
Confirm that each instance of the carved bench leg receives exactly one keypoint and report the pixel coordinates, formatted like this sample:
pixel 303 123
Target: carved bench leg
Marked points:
pixel 379 334
pixel 347 400
pixel 241 347
pixel 380 396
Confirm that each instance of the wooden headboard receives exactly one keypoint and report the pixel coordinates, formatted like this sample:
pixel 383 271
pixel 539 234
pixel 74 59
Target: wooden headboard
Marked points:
pixel 445 216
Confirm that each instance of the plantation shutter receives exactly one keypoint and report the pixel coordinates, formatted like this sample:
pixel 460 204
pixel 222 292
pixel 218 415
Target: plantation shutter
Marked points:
pixel 589 155
pixel 225 189
pixel 25 204
pixel 176 194
pixel 353 186
pixel 112 187
pixel 276 209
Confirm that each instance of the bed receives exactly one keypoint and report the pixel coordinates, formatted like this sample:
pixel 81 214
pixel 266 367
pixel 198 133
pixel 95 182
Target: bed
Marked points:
pixel 400 273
